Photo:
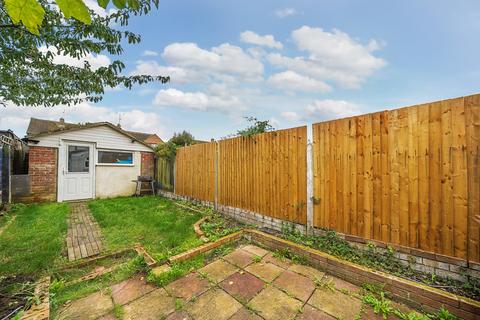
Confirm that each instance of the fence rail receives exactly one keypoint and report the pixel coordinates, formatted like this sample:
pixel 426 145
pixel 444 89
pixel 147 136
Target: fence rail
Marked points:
pixel 408 176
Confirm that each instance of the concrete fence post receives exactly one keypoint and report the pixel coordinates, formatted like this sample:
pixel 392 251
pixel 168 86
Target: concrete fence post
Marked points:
pixel 309 182
pixel 216 167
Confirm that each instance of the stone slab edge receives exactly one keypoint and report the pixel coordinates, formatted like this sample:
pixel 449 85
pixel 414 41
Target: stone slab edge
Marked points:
pixel 411 293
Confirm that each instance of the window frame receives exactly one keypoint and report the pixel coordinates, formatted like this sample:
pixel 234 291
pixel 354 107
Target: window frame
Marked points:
pixel 98 163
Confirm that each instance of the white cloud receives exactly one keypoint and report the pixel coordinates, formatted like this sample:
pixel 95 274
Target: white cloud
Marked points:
pixel 285 12
pixel 256 39
pixel 331 109
pixel 17 118
pixel 95 61
pixel 331 56
pixel 292 81
pixel 150 53
pixel 224 61
pixel 197 100
pixel 291 115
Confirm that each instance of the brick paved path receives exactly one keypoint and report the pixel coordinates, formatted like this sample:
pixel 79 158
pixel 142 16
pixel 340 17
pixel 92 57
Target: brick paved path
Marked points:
pixel 83 237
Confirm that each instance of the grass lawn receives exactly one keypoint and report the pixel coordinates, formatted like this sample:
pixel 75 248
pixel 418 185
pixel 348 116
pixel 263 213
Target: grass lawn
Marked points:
pixel 34 240
pixel 161 227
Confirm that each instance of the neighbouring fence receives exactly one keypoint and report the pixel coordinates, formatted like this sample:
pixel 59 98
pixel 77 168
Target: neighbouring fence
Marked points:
pixel 195 171
pixel 165 173
pixel 408 176
pixel 265 173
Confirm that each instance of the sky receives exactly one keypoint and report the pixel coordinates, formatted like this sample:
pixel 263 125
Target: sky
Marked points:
pixel 290 62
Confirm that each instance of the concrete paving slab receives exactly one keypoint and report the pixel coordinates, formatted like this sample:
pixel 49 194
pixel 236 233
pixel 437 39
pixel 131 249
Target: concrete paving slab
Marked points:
pixel 188 287
pixel 214 304
pixel 240 258
pixel 335 303
pixel 281 262
pixel 244 314
pixel 91 307
pixel 307 271
pixel 218 270
pixel 273 304
pixel 155 305
pixel 310 313
pixel 130 289
pixel 341 284
pixel 243 286
pixel 179 315
pixel 297 285
pixel 265 271
pixel 256 250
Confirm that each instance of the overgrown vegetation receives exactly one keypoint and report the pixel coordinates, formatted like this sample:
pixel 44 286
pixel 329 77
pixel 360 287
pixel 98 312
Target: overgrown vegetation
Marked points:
pixel 383 260
pixel 218 226
pixel 168 150
pixel 256 127
pixel 375 297
pixel 60 291
pixel 177 270
pixel 33 242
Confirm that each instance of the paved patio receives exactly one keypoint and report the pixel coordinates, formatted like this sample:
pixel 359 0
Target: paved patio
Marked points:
pixel 83 236
pixel 249 283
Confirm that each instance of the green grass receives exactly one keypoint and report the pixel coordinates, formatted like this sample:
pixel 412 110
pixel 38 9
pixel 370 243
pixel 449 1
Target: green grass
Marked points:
pixel 34 240
pixel 161 227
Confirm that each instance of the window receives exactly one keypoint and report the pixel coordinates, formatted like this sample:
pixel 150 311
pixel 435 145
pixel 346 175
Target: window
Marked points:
pixel 115 157
pixel 78 158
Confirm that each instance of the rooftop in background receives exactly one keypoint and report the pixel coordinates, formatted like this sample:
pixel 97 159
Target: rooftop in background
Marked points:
pixel 38 127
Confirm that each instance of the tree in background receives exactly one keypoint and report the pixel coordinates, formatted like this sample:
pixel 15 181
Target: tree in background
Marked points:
pixel 256 126
pixel 183 138
pixel 28 46
pixel 169 150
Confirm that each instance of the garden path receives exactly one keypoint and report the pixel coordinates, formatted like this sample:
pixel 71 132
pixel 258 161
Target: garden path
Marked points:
pixel 83 236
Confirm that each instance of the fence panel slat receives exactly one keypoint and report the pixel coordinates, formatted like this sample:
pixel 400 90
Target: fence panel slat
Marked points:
pixel 408 176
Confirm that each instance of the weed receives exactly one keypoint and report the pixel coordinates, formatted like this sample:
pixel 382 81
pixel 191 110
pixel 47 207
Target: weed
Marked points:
pixel 324 283
pixel 444 314
pixel 380 306
pixel 256 258
pixel 286 253
pixel 118 311
pixel 379 259
pixel 179 304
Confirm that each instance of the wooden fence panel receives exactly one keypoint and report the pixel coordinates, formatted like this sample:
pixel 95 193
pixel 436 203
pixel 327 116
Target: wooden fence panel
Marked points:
pixel 408 176
pixel 195 171
pixel 266 173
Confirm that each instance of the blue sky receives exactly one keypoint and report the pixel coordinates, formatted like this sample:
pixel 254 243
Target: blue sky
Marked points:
pixel 292 62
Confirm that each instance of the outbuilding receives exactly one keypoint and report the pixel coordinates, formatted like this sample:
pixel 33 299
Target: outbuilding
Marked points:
pixel 68 161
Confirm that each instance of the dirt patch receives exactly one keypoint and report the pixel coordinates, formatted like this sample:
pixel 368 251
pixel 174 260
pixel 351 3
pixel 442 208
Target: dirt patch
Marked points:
pixel 16 294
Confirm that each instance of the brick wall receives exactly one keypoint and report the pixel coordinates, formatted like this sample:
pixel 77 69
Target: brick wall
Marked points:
pixel 147 165
pixel 42 170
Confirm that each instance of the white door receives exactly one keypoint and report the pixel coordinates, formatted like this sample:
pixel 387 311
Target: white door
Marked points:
pixel 78 171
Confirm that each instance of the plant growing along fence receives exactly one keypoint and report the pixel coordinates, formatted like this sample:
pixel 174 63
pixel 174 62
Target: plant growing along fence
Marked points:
pixel 408 176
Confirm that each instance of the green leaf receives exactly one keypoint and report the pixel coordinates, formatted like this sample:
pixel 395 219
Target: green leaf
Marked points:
pixel 103 3
pixel 75 9
pixel 120 4
pixel 133 4
pixel 29 12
